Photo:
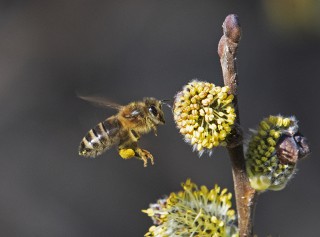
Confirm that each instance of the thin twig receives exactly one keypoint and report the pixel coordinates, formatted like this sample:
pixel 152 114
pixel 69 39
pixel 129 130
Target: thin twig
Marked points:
pixel 246 197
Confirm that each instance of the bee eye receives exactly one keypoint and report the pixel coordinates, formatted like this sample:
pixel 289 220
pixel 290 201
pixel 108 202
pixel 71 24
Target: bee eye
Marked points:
pixel 153 110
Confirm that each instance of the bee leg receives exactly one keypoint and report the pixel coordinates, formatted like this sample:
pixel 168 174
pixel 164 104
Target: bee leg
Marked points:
pixel 154 128
pixel 144 155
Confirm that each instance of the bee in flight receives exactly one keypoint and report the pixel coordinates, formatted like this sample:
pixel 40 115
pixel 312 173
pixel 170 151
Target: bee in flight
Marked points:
pixel 123 129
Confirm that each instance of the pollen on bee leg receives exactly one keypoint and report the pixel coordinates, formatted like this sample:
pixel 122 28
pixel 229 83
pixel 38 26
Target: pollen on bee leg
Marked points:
pixel 126 153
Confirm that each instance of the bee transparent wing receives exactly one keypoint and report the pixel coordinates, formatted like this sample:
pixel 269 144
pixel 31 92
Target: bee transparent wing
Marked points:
pixel 101 102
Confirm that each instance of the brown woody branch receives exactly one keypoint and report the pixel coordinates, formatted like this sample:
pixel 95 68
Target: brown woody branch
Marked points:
pixel 246 197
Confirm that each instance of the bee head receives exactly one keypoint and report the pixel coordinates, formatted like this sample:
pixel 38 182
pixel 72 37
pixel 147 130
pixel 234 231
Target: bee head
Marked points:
pixel 155 112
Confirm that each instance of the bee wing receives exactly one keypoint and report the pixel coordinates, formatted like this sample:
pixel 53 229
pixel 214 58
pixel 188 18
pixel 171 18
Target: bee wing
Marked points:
pixel 101 102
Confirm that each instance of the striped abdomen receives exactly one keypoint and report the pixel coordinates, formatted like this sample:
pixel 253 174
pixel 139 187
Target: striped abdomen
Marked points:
pixel 100 138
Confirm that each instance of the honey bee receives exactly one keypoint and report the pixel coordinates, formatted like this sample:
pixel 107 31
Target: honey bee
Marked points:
pixel 124 129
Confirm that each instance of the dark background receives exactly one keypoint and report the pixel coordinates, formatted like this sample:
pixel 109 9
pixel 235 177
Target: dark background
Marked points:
pixel 125 50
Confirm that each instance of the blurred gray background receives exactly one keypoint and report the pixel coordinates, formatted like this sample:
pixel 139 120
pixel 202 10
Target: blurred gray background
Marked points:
pixel 125 50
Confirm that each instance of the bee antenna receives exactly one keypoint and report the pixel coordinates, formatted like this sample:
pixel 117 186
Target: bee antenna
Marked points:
pixel 164 102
